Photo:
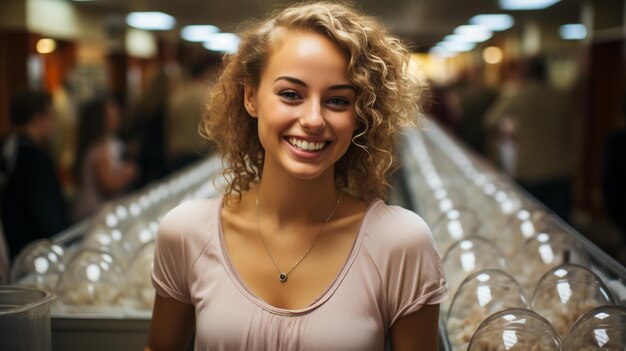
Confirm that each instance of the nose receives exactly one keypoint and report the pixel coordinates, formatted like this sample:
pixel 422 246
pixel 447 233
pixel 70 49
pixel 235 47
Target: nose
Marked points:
pixel 312 118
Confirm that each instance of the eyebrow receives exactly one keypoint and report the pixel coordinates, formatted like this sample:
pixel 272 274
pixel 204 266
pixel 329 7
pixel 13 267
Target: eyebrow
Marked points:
pixel 332 87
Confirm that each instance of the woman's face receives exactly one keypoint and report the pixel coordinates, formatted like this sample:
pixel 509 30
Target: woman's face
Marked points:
pixel 305 105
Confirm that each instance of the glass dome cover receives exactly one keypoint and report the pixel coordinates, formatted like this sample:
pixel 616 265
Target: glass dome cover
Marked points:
pixel 92 278
pixel 39 265
pixel 103 238
pixel 469 255
pixel 453 225
pixel 567 291
pixel 515 329
pixel 481 294
pixel 602 328
pixel 544 251
pixel 511 231
pixel 139 276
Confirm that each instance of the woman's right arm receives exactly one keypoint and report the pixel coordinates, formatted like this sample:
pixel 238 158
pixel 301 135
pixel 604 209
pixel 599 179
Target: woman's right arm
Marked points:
pixel 172 325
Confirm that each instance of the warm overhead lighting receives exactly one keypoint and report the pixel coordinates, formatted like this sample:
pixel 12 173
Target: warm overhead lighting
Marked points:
pixel 222 42
pixel 494 22
pixel 150 20
pixel 575 31
pixel 140 43
pixel 456 46
pixel 198 33
pixel 492 55
pixel 473 33
pixel 526 4
pixel 46 46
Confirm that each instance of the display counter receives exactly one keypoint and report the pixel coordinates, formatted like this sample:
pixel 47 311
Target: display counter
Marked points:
pixel 504 252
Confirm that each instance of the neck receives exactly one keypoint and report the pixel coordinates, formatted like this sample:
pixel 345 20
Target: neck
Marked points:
pixel 290 200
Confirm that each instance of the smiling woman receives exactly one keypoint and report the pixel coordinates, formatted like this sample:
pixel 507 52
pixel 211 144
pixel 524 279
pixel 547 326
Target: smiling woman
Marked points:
pixel 374 58
pixel 301 252
pixel 305 105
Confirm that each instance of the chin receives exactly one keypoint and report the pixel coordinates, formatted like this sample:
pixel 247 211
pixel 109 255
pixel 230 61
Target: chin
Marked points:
pixel 307 173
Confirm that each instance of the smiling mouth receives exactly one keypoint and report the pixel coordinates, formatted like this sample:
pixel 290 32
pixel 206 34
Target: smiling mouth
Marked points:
pixel 310 146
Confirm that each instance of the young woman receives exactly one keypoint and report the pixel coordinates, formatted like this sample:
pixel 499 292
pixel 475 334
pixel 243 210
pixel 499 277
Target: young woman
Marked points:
pixel 100 170
pixel 301 253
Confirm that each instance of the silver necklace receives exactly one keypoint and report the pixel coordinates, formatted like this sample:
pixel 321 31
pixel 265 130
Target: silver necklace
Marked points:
pixel 282 276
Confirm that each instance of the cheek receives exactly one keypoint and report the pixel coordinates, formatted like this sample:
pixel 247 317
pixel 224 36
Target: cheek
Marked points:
pixel 346 124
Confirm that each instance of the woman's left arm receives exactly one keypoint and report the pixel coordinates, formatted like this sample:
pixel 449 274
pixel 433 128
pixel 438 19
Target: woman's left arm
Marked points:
pixel 417 331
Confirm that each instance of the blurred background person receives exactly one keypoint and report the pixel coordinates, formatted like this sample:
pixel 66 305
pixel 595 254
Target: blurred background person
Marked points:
pixel 148 129
pixel 184 144
pixel 472 98
pixel 534 128
pixel 101 172
pixel 437 105
pixel 31 201
pixel 62 141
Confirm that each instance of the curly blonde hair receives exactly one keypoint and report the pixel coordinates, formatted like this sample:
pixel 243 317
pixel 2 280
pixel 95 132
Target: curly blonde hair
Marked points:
pixel 387 98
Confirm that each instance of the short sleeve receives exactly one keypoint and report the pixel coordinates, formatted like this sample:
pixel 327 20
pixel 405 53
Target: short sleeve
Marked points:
pixel 412 268
pixel 169 272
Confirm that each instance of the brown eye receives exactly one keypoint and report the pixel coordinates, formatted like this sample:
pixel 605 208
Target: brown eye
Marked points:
pixel 338 101
pixel 289 95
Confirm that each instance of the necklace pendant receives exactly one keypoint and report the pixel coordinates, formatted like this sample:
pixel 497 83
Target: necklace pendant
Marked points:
pixel 282 277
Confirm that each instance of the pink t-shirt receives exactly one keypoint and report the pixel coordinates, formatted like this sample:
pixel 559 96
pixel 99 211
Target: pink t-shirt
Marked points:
pixel 392 271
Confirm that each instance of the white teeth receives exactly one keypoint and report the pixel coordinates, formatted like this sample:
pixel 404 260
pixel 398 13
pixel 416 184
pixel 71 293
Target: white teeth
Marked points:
pixel 306 145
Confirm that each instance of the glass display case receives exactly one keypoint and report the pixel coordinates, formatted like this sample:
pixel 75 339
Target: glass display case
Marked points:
pixel 467 200
pixel 100 268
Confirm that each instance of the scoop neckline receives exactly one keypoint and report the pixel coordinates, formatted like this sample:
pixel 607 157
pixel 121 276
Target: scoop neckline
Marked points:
pixel 322 297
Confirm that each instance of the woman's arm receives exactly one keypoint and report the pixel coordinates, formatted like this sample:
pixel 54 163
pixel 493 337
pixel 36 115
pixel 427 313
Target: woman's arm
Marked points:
pixel 172 325
pixel 417 331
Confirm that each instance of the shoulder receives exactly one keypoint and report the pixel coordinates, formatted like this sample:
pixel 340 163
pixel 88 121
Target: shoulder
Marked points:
pixel 191 212
pixel 31 157
pixel 402 252
pixel 396 228
pixel 189 220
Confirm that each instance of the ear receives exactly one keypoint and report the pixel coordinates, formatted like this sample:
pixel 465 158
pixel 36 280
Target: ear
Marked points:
pixel 249 98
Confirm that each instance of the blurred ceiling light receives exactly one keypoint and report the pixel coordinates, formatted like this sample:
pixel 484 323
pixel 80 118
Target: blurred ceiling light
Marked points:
pixel 150 20
pixel 494 22
pixel 526 4
pixel 46 46
pixel 457 38
pixel 473 33
pixel 198 33
pixel 456 46
pixel 222 42
pixel 492 55
pixel 441 52
pixel 140 43
pixel 574 31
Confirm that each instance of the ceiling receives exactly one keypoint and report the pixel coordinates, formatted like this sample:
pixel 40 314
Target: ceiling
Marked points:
pixel 420 22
